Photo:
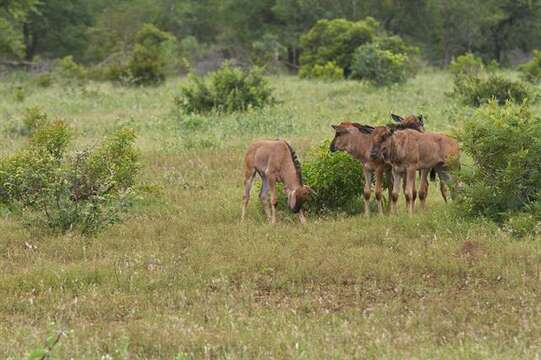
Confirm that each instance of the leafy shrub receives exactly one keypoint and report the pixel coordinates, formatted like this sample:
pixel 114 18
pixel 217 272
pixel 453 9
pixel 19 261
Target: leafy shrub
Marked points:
pixel 68 71
pixel 475 91
pixel 336 178
pixel 467 65
pixel 335 40
pixel 226 90
pixel 34 118
pixel 84 191
pixel 374 63
pixel 505 145
pixel 531 71
pixel 44 80
pixel 329 72
pixel 147 63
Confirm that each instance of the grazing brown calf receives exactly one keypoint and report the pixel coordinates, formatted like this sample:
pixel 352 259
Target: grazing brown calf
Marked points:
pixel 408 151
pixel 275 161
pixel 355 139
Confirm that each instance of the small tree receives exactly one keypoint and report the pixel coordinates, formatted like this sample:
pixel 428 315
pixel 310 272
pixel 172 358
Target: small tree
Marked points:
pixel 335 40
pixel 147 62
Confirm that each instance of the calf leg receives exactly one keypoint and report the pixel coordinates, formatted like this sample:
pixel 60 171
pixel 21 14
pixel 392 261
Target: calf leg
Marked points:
pixel 248 181
pixel 274 199
pixel 264 197
pixel 443 186
pixel 367 191
pixel 423 188
pixel 396 191
pixel 410 188
pixel 302 219
pixel 379 189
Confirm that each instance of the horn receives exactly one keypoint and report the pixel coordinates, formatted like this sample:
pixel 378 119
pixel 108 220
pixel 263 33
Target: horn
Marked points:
pixel 396 118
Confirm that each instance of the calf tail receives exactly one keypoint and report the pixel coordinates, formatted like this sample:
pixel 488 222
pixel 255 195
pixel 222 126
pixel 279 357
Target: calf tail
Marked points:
pixel 433 174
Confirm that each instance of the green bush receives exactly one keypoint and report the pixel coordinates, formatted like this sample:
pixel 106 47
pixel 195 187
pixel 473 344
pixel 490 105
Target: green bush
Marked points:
pixel 69 72
pixel 505 145
pixel 336 178
pixel 85 191
pixel 228 89
pixel 44 80
pixel 531 71
pixel 33 119
pixel 467 65
pixel 335 40
pixel 475 91
pixel 328 72
pixel 145 65
pixel 376 64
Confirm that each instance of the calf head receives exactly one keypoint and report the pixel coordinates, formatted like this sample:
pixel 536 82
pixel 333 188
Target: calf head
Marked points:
pixel 381 138
pixel 344 137
pixel 298 197
pixel 410 122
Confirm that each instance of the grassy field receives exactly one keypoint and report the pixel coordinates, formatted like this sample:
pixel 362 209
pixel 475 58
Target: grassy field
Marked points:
pixel 182 279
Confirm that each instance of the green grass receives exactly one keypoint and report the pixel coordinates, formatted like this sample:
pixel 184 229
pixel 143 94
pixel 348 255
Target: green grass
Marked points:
pixel 181 278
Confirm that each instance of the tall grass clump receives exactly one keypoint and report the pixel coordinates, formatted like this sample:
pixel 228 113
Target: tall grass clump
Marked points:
pixel 327 72
pixel 226 90
pixel 505 145
pixel 44 185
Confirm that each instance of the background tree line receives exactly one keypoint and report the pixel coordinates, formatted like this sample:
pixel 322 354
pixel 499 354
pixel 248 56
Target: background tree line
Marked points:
pixel 94 30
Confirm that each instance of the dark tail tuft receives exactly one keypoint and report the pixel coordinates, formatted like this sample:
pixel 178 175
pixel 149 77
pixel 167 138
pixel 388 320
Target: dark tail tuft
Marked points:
pixel 433 174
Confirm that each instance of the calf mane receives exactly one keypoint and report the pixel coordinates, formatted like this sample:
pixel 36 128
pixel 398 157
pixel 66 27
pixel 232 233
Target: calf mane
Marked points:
pixel 296 163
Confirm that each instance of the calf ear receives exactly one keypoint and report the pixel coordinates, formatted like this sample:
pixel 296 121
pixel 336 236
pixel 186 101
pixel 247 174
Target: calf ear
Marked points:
pixel 365 129
pixel 421 120
pixel 396 118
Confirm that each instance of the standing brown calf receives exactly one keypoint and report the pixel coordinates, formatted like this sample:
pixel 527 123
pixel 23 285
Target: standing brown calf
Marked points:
pixel 408 151
pixel 355 139
pixel 274 161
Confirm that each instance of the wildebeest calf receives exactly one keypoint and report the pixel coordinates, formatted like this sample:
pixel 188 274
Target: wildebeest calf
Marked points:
pixel 274 161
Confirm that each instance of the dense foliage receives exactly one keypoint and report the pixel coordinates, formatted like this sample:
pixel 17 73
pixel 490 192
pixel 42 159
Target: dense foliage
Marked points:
pixel 84 191
pixel 505 145
pixel 383 62
pixel 92 31
pixel 531 71
pixel 336 178
pixel 478 90
pixel 329 72
pixel 228 89
pixel 335 40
